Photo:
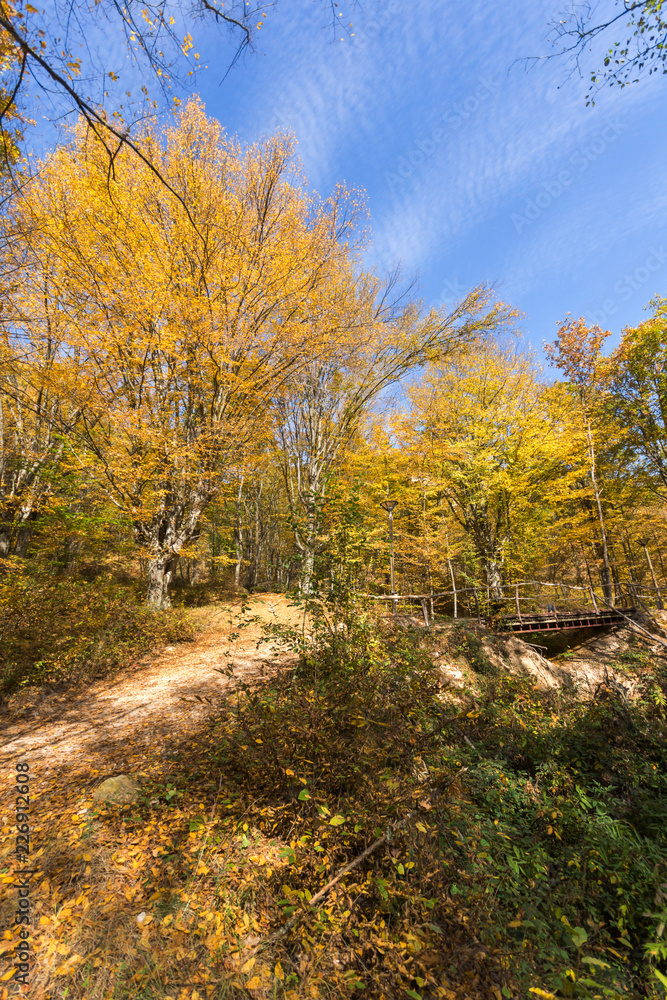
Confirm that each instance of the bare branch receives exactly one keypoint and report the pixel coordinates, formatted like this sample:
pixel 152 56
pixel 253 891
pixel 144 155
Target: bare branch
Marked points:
pixel 645 45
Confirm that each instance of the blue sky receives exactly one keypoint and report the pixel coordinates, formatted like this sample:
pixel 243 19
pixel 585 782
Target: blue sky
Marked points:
pixel 475 169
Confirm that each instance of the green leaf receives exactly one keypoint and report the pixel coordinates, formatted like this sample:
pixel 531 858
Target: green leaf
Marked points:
pixel 596 961
pixel 336 820
pixel 414 995
pixel 353 980
pixel 383 888
pixel 663 979
pixel 303 795
pixel 579 936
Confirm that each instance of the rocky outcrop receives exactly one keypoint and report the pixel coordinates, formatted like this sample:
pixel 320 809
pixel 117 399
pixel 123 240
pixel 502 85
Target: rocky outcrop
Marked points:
pixel 579 673
pixel 514 656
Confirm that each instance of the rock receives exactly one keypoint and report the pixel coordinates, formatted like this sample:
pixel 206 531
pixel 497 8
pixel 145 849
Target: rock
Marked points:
pixel 511 654
pixel 579 675
pixel 123 790
pixel 450 675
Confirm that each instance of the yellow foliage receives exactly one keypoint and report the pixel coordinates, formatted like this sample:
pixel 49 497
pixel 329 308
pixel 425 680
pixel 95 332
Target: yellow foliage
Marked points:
pixel 168 322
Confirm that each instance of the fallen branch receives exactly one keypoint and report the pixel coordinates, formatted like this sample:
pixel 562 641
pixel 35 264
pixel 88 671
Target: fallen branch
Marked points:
pixel 438 791
pixel 635 625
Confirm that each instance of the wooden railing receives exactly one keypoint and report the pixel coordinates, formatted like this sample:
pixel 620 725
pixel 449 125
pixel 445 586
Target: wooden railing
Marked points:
pixel 477 602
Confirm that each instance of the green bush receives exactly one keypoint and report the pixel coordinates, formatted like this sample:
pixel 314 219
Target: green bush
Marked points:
pixel 546 861
pixel 54 629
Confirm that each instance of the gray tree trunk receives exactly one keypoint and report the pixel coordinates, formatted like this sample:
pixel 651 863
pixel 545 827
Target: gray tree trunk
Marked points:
pixel 164 539
pixel 605 569
pixel 238 536
pixel 159 572
pixel 493 578
pixel 307 568
pixel 306 543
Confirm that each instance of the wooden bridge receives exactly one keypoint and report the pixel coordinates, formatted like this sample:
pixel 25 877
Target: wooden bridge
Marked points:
pixel 565 607
pixel 555 621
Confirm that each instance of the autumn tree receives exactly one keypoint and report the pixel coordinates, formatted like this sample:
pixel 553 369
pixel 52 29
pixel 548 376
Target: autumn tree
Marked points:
pixel 478 437
pixel 320 408
pixel 12 120
pixel 638 370
pixel 53 48
pixel 178 318
pixel 34 413
pixel 577 353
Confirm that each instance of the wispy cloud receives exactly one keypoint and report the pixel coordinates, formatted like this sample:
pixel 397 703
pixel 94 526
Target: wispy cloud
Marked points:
pixel 428 109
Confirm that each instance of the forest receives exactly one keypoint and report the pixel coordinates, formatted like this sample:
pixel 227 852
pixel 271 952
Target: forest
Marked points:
pixel 213 389
pixel 205 399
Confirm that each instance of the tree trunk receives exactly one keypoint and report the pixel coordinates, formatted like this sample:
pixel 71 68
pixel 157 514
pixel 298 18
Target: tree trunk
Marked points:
pixel 15 535
pixel 160 571
pixel 628 558
pixel 451 573
pixel 605 569
pixel 306 543
pixel 588 568
pixel 5 540
pixel 72 547
pixel 163 539
pixel 307 567
pixel 490 540
pixel 258 538
pixel 493 578
pixel 658 595
pixel 658 550
pixel 238 537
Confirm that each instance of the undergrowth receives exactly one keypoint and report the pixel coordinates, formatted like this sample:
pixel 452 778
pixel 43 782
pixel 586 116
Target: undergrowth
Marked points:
pixel 57 629
pixel 517 842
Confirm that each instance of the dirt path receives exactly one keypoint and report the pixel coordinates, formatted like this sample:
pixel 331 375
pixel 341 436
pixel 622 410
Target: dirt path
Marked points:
pixel 135 723
pixel 106 729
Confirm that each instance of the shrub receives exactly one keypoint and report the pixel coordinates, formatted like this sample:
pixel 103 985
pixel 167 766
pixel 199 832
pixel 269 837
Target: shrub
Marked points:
pixel 54 629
